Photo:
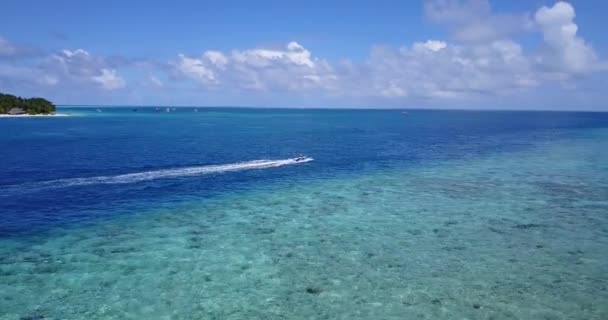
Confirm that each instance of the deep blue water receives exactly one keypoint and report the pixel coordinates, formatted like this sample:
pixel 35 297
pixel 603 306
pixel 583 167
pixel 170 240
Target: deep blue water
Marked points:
pixel 342 142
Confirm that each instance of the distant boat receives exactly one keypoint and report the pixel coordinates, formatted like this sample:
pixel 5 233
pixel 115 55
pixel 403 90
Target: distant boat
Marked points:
pixel 195 110
pixel 98 110
pixel 168 110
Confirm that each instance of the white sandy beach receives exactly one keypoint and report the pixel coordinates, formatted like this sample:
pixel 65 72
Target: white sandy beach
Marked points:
pixel 33 115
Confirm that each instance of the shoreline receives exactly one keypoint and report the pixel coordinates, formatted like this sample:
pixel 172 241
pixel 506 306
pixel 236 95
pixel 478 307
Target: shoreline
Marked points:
pixel 33 115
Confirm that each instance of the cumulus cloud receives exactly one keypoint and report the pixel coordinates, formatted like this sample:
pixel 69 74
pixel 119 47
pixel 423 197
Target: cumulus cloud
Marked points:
pixel 433 69
pixel 194 68
pixel 484 64
pixel 216 58
pixel 291 68
pixel 437 70
pixel 109 80
pixel 481 59
pixel 295 54
pixel 568 52
pixel 63 70
pixel 81 66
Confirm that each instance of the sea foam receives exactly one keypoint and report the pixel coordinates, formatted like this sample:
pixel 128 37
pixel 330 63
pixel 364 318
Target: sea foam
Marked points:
pixel 158 174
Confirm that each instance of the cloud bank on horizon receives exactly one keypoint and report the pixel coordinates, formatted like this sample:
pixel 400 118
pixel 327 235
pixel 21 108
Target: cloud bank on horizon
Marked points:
pixel 479 64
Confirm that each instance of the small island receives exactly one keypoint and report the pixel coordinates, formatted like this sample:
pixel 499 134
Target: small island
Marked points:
pixel 14 106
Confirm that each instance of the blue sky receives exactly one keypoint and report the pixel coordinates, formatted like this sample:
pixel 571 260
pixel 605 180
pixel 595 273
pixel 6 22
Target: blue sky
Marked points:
pixel 438 54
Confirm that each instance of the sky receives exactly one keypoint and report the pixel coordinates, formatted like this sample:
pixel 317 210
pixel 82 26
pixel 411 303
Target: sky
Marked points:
pixel 478 54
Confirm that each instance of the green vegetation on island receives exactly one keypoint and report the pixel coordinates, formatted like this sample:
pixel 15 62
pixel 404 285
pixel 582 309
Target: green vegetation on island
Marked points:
pixel 10 104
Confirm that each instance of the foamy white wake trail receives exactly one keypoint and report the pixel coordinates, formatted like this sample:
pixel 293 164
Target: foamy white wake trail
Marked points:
pixel 162 174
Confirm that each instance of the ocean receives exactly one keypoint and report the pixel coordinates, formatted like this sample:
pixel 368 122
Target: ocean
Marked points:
pixel 206 213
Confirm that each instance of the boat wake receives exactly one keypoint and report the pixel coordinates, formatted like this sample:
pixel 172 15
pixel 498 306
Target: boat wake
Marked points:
pixel 160 174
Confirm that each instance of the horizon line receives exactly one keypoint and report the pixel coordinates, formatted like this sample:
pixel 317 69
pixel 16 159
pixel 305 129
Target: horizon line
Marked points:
pixel 325 108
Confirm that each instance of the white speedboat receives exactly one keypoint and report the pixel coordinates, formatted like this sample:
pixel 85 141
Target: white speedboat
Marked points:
pixel 302 159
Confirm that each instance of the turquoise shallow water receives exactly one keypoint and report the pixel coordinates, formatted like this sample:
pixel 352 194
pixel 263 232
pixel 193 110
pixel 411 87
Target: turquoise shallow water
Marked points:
pixel 511 234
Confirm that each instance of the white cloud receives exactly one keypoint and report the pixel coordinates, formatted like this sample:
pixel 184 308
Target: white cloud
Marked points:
pixel 436 70
pixel 217 58
pixel 77 66
pixel 195 69
pixel 109 80
pixel 433 45
pixel 295 54
pixel 76 53
pixel 432 69
pixel 568 52
pixel 76 62
pixel 476 65
pixel 292 68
